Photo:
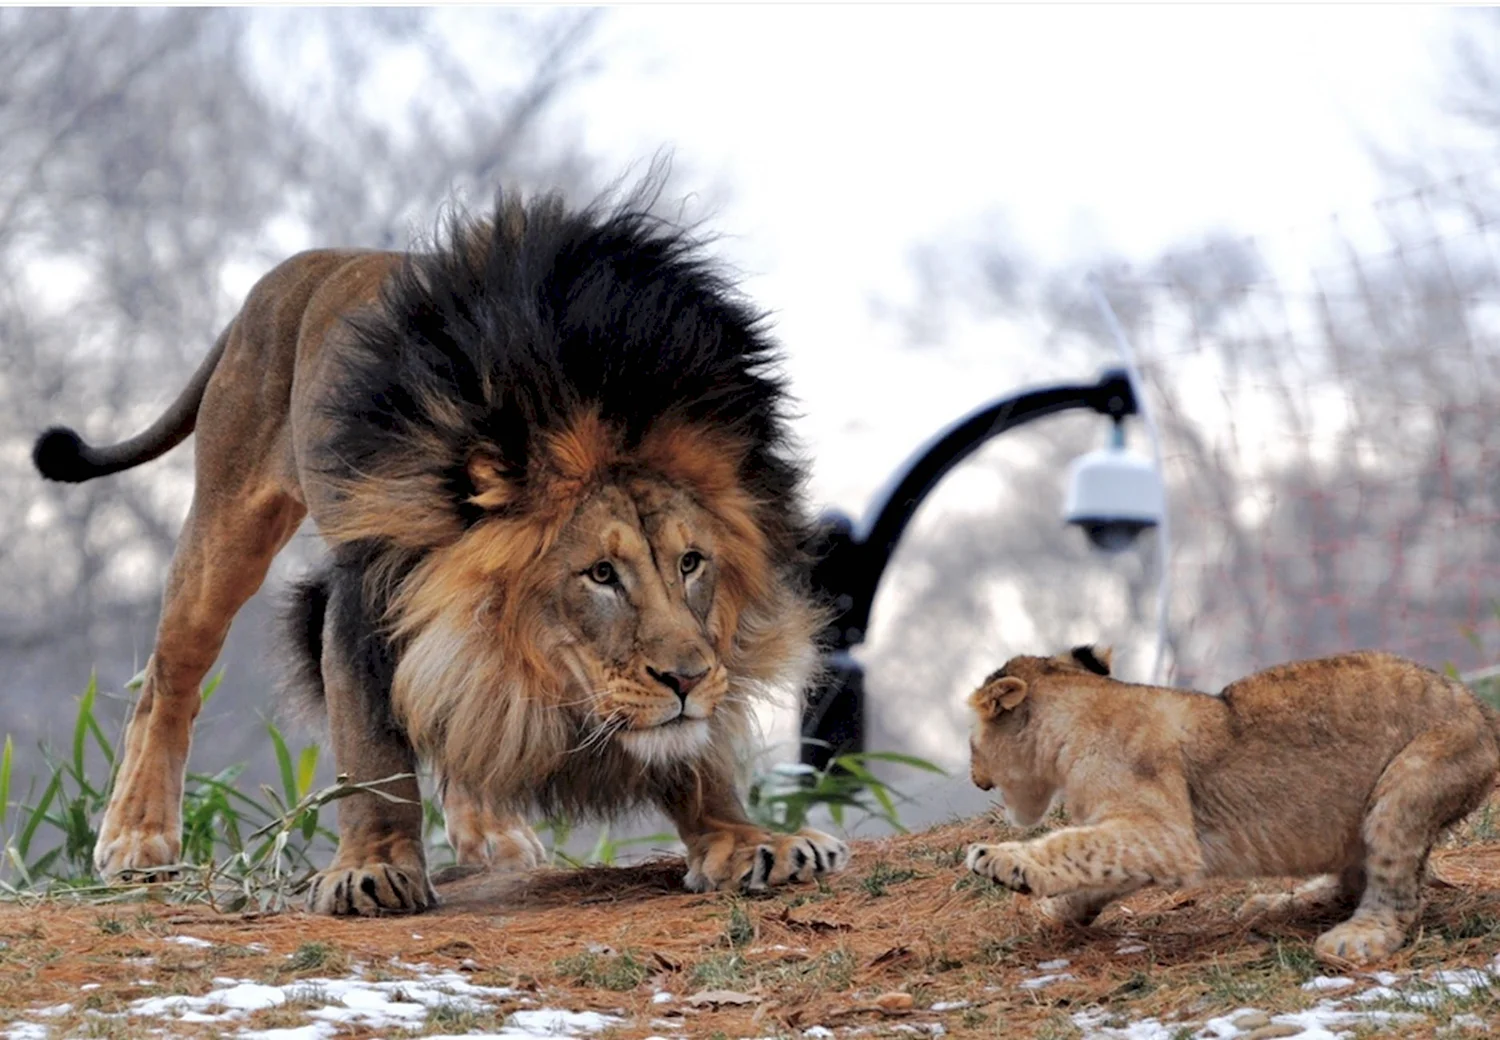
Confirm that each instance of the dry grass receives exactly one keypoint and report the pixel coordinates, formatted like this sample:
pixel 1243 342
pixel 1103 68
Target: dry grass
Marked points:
pixel 905 919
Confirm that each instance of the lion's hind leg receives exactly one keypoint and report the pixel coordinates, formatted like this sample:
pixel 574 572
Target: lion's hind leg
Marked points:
pixel 222 557
pixel 380 866
pixel 480 836
pixel 1435 781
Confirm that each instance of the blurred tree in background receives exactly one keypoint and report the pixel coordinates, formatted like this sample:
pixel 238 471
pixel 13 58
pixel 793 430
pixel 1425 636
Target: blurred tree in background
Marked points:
pixel 155 163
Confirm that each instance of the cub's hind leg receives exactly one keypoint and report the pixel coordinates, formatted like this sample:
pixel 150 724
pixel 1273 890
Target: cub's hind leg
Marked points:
pixel 227 544
pixel 1435 781
pixel 1320 893
pixel 380 866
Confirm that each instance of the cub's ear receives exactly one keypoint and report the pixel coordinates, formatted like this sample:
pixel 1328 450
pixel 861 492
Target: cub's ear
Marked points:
pixel 997 696
pixel 1096 659
pixel 493 485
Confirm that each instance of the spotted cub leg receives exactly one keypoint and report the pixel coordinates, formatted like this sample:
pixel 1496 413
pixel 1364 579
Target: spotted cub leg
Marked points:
pixel 728 852
pixel 1113 857
pixel 380 866
pixel 1435 781
pixel 482 837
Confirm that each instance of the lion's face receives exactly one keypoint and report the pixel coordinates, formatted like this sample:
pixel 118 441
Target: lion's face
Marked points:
pixel 637 574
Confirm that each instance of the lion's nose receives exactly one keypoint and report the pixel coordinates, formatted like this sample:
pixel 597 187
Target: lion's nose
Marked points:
pixel 680 683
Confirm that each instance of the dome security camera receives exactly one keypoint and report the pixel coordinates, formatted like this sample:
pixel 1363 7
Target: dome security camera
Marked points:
pixel 1113 495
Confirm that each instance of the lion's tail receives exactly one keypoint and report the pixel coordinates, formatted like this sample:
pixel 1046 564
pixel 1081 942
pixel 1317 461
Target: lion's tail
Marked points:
pixel 60 454
pixel 302 624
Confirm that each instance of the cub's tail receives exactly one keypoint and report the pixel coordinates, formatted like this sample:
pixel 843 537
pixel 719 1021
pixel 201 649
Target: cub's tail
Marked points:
pixel 60 454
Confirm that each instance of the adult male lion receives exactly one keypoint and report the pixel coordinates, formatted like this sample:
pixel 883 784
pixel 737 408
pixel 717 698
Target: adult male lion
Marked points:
pixel 550 460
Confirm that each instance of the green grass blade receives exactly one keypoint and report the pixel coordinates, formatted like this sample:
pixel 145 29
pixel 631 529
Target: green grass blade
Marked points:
pixel 897 757
pixel 81 726
pixel 5 766
pixel 211 686
pixel 307 769
pixel 39 813
pixel 284 763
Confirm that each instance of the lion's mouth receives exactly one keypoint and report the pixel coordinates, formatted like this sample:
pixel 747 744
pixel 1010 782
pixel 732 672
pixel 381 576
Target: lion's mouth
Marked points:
pixel 681 737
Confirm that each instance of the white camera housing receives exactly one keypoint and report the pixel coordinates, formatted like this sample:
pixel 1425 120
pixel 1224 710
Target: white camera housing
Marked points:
pixel 1114 496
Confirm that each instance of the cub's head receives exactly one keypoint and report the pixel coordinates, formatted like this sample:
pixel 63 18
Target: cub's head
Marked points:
pixel 1008 749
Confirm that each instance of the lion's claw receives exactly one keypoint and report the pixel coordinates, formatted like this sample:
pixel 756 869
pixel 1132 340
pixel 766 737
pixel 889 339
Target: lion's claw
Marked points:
pixel 372 890
pixel 773 860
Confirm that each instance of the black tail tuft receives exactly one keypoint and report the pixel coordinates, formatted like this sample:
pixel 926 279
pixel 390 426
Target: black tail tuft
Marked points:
pixel 60 454
pixel 301 626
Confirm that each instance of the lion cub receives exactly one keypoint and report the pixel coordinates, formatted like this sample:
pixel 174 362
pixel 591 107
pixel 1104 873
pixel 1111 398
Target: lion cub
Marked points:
pixel 1344 769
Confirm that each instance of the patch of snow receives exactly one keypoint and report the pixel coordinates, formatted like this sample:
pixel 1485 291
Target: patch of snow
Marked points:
pixel 1044 980
pixel 369 1005
pixel 53 1011
pixel 1133 948
pixel 1056 965
pixel 817 1031
pixel 88 986
pixel 25 1031
pixel 189 940
pixel 661 998
pixel 237 1000
pixel 316 1031
pixel 950 1005
pixel 1146 1029
pixel 1326 982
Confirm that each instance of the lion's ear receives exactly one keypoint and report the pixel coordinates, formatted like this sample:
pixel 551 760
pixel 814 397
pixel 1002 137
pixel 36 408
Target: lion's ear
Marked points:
pixel 1096 659
pixel 999 695
pixel 493 484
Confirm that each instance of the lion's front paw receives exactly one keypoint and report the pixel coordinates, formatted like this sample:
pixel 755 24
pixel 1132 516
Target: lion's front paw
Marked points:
pixel 754 860
pixel 371 889
pixel 136 853
pixel 1359 942
pixel 1005 864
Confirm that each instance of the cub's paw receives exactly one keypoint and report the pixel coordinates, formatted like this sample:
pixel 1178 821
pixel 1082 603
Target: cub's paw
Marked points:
pixel 1005 864
pixel 1078 908
pixel 1358 942
pixel 136 854
pixel 495 841
pixel 1264 905
pixel 371 890
pixel 752 861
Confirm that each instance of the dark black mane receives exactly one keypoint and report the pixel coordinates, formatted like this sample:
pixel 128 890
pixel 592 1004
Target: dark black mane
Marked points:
pixel 518 331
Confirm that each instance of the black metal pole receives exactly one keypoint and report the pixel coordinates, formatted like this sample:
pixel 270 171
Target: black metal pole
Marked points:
pixel 852 559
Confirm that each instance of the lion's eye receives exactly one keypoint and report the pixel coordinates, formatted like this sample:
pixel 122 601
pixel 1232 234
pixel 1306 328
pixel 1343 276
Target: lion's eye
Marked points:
pixel 603 572
pixel 691 561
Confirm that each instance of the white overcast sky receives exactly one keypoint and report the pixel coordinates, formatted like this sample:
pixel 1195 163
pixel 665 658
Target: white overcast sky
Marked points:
pixel 845 135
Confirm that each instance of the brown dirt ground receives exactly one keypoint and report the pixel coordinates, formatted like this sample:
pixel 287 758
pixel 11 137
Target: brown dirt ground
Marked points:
pixel 904 918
